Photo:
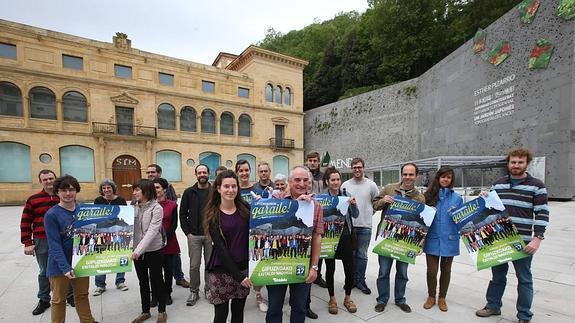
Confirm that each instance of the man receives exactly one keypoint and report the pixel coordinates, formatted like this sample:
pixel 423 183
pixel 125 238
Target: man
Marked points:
pixel 264 173
pixel 312 163
pixel 298 179
pixel 192 215
pixel 33 235
pixel 525 198
pixel 155 171
pixel 364 190
pixel 405 188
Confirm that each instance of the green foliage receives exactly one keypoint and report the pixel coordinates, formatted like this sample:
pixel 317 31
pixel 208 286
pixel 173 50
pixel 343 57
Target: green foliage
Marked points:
pixel 392 41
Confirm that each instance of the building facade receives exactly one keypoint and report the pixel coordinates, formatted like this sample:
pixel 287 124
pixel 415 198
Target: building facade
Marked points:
pixel 99 110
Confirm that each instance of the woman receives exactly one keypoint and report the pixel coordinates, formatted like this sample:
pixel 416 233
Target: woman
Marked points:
pixel 148 243
pixel 442 241
pixel 169 224
pixel 108 197
pixel 280 184
pixel 59 225
pixel 345 247
pixel 243 171
pixel 227 225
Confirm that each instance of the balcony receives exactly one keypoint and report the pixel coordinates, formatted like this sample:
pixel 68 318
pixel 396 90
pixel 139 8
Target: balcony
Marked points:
pixel 282 143
pixel 123 129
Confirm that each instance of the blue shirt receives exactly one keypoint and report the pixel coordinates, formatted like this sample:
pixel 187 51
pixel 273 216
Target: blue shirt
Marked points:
pixel 59 226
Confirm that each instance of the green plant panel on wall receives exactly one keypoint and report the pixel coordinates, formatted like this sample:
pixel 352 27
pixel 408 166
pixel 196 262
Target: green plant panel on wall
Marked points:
pixel 479 41
pixel 499 53
pixel 540 54
pixel 527 10
pixel 566 9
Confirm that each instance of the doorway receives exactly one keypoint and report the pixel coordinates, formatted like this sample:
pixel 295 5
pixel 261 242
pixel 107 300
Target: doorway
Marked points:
pixel 126 171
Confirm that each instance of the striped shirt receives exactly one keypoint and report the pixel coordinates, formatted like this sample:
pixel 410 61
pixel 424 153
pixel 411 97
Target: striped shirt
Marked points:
pixel 32 223
pixel 526 203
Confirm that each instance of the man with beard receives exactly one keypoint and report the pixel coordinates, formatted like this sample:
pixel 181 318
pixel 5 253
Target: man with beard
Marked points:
pixel 405 188
pixel 525 198
pixel 192 214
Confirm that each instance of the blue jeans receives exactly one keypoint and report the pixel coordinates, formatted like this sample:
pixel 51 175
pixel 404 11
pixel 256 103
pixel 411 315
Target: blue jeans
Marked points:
pixel 41 252
pixel 524 287
pixel 101 279
pixel 383 280
pixel 297 300
pixel 360 254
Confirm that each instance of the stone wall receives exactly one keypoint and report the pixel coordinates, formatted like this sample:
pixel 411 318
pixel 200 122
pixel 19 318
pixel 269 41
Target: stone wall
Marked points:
pixel 438 114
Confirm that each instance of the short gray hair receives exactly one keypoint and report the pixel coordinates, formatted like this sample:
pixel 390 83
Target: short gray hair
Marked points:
pixel 280 177
pixel 290 176
pixel 108 182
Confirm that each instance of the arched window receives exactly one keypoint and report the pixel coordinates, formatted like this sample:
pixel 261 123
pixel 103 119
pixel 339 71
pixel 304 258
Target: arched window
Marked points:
pixel 171 163
pixel 280 165
pixel 212 160
pixel 188 119
pixel 42 103
pixel 208 121
pixel 166 117
pixel 17 168
pixel 287 96
pixel 278 95
pixel 269 93
pixel 10 100
pixel 253 166
pixel 77 161
pixel 245 126
pixel 75 107
pixel 227 124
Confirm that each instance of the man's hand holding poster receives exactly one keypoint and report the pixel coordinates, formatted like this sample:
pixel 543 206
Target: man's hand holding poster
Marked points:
pixel 402 232
pixel 487 232
pixel 280 241
pixel 334 211
pixel 102 239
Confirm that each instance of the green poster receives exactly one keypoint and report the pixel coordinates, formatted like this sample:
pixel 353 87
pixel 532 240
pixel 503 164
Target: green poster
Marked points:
pixel 334 211
pixel 527 10
pixel 280 241
pixel 541 54
pixel 479 41
pixel 566 9
pixel 102 241
pixel 499 53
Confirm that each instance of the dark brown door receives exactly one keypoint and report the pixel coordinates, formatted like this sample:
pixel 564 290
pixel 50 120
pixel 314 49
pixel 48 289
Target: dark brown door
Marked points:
pixel 126 171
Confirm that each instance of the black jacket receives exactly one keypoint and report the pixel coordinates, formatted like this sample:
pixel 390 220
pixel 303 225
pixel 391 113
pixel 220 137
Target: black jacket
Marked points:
pixel 192 211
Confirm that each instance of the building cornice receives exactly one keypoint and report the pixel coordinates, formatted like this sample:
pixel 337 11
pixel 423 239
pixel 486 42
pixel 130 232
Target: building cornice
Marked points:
pixel 253 52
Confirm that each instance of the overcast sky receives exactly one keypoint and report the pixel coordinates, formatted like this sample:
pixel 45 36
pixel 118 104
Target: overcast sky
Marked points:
pixel 195 30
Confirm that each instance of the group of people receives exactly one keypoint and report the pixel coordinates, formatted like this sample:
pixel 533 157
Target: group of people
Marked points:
pixel 215 219
pixel 262 247
pixel 485 236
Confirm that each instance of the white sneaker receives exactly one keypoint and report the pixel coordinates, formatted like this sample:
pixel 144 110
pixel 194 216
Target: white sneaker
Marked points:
pixel 99 291
pixel 262 306
pixel 123 287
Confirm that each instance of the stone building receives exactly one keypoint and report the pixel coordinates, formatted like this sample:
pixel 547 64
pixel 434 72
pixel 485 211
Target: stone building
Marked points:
pixel 94 110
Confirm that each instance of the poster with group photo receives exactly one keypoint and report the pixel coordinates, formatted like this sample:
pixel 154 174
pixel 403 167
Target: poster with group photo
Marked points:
pixel 102 239
pixel 402 233
pixel 487 232
pixel 280 241
pixel 334 211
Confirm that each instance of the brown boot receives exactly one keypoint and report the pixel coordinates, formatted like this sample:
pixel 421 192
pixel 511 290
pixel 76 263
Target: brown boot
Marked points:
pixel 442 304
pixel 429 302
pixel 162 317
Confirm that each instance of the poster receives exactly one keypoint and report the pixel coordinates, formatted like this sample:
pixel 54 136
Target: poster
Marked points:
pixel 487 232
pixel 280 241
pixel 402 233
pixel 334 211
pixel 499 53
pixel 103 236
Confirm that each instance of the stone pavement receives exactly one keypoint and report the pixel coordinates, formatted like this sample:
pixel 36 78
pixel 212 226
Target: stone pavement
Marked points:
pixel 553 270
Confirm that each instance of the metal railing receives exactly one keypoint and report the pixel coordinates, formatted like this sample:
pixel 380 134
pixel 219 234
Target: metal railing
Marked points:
pixel 123 129
pixel 282 143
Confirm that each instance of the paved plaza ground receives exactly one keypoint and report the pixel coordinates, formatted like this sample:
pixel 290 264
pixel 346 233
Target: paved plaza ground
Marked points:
pixel 553 271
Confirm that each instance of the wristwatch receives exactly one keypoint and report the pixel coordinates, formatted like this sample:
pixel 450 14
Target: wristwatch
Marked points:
pixel 315 267
pixel 540 236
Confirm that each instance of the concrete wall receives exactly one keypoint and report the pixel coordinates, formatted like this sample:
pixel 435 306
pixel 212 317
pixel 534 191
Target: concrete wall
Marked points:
pixel 438 113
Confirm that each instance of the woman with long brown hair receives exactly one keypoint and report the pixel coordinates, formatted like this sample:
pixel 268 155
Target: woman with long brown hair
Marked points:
pixel 227 225
pixel 442 240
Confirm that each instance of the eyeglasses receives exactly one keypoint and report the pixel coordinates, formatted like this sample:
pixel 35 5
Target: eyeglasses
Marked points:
pixel 152 172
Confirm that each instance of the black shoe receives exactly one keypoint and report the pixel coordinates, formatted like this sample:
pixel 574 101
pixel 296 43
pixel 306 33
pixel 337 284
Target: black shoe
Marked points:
pixel 320 282
pixel 363 288
pixel 404 307
pixel 309 313
pixel 41 307
pixel 169 300
pixel 154 302
pixel 71 302
pixel 380 307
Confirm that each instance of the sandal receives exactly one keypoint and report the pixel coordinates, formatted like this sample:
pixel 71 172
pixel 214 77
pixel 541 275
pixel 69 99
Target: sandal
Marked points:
pixel 262 306
pixel 332 307
pixel 350 306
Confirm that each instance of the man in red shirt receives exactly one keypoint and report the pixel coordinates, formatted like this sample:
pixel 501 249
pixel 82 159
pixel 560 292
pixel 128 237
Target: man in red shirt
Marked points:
pixel 33 236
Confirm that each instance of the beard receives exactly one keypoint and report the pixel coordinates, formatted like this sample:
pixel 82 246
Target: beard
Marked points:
pixel 517 171
pixel 202 180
